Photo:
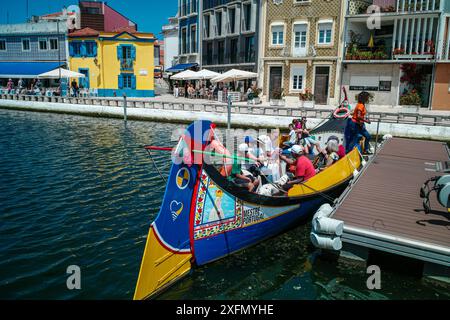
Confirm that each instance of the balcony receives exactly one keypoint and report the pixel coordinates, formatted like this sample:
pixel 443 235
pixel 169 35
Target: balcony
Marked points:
pixel 381 53
pixel 360 7
pixel 126 65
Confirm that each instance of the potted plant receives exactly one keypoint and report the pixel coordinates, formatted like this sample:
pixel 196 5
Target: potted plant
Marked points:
pixel 411 101
pixel 307 99
pixel 255 99
pixel 277 97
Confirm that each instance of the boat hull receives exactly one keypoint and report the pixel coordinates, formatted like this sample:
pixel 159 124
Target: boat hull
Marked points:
pixel 242 224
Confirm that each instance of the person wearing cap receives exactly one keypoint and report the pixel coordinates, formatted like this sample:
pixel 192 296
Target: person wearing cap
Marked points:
pixel 304 169
pixel 249 150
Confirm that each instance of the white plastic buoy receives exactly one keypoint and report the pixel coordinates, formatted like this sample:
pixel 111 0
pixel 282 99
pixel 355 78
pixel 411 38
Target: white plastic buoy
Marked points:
pixel 324 211
pixel 328 226
pixel 326 242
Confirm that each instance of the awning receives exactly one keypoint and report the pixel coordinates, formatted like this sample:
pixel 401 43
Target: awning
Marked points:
pixel 60 72
pixel 26 69
pixel 182 67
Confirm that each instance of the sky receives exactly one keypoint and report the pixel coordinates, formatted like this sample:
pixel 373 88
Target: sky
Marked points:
pixel 150 15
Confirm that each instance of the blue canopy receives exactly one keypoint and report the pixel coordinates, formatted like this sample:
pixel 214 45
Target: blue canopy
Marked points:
pixel 26 69
pixel 181 67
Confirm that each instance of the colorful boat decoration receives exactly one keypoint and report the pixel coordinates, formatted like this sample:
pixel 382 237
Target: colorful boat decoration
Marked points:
pixel 205 217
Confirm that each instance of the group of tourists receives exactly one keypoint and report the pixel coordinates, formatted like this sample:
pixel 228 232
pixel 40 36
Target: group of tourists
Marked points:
pixel 204 90
pixel 263 169
pixel 28 87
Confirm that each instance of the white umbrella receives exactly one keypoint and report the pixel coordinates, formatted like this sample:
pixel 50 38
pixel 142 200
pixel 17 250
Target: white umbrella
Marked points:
pixel 206 74
pixel 185 75
pixel 234 75
pixel 60 72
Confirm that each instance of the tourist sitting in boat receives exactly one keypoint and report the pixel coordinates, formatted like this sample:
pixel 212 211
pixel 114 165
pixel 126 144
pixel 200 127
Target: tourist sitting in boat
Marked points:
pixel 301 166
pixel 252 152
pixel 271 168
pixel 305 138
pixel 341 149
pixel 328 156
pixel 293 136
pixel 240 176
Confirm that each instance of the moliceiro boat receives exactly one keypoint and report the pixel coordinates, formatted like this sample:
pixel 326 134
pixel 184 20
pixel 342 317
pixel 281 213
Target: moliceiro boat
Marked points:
pixel 204 216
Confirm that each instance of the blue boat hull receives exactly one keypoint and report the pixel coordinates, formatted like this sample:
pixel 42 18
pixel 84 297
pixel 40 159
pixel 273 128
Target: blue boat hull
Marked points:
pixel 240 224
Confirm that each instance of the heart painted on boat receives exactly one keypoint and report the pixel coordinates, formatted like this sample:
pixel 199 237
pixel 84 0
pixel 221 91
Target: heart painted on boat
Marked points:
pixel 175 209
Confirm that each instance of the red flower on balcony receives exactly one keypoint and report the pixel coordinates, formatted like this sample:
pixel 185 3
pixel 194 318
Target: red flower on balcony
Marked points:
pixel 399 51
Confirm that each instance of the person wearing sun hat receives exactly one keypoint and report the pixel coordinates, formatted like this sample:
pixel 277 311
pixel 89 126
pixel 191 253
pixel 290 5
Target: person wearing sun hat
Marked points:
pixel 301 166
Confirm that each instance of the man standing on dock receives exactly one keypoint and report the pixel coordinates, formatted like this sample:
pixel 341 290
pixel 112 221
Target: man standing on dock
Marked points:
pixel 356 127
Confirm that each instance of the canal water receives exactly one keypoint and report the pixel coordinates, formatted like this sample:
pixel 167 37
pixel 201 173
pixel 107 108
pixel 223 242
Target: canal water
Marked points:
pixel 82 191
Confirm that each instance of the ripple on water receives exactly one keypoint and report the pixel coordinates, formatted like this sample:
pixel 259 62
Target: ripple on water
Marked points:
pixel 78 190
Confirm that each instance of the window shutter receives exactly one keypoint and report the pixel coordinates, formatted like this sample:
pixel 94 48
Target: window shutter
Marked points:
pixel 133 52
pixel 71 51
pixel 133 82
pixel 83 49
pixel 119 52
pixel 120 81
pixel 94 49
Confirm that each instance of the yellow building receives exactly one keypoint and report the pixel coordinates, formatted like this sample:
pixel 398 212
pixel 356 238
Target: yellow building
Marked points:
pixel 113 63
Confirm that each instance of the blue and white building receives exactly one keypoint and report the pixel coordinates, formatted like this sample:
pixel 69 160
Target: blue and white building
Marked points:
pixel 188 34
pixel 29 49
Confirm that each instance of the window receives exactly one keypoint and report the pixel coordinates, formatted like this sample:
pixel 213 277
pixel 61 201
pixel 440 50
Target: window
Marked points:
pixel 193 39
pixel 75 49
pixel 93 11
pixel 26 45
pixel 221 51
pixel 325 31
pixel 2 45
pixel 299 36
pixel 42 44
pixel 126 52
pixel 247 16
pixel 53 44
pixel 184 41
pixel 277 35
pixel 298 73
pixel 91 49
pixel 127 81
pixel 193 6
pixel 219 23
pixel 209 53
pixel 207 26
pixel 232 20
pixel 249 49
pixel 233 50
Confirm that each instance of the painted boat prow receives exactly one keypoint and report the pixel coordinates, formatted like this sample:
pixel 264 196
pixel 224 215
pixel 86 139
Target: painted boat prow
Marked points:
pixel 168 251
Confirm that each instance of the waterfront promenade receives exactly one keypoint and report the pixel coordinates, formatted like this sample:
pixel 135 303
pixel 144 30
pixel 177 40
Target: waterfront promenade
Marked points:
pixel 424 124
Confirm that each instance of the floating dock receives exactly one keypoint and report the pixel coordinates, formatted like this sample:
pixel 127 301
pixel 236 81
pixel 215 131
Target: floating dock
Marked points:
pixel 382 210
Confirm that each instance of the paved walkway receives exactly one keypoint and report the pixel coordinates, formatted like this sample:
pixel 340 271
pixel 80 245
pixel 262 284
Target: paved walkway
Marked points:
pixel 169 98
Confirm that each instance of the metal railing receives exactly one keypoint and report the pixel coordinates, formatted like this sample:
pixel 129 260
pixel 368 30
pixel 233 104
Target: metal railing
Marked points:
pixel 413 118
pixel 399 6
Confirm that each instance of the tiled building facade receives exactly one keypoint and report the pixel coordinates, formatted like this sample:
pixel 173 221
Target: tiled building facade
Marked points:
pixel 302 49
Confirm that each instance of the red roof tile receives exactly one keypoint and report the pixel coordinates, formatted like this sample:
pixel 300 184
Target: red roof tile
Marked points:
pixel 85 32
